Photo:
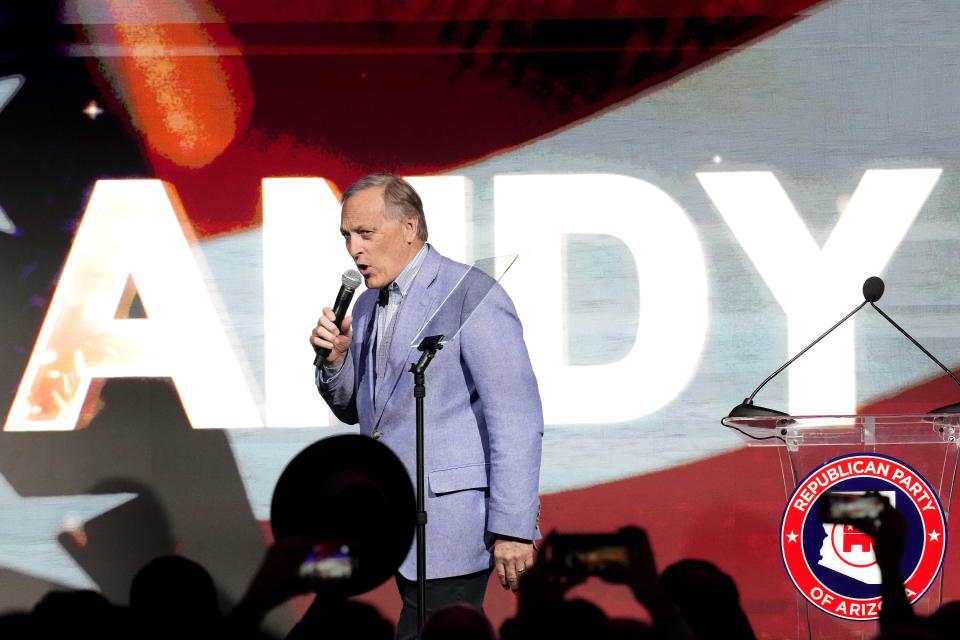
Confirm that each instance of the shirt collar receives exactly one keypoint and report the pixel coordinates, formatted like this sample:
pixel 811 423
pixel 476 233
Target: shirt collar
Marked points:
pixel 402 283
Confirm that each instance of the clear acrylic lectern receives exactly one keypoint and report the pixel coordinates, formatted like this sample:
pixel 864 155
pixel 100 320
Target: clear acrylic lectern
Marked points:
pixel 927 443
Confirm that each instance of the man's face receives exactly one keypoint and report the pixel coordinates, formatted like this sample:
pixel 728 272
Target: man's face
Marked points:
pixel 380 245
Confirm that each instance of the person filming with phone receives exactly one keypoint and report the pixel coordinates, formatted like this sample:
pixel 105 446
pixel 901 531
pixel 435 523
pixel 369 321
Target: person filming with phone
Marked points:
pixel 567 560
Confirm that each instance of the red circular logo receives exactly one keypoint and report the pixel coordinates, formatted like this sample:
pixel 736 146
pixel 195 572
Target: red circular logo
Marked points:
pixel 833 565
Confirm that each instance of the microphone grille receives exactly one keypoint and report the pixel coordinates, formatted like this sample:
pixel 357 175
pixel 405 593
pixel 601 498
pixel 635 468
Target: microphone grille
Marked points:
pixel 872 289
pixel 351 279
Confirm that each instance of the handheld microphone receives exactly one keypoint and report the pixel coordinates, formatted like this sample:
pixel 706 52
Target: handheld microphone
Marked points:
pixel 350 280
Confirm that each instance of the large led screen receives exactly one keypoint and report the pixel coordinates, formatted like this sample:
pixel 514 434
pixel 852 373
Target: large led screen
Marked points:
pixel 695 190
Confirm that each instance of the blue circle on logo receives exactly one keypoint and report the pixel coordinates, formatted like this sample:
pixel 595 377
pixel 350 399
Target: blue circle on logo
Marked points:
pixel 814 538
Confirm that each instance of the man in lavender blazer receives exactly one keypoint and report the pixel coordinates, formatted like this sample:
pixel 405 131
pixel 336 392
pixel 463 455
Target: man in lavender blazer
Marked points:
pixel 484 421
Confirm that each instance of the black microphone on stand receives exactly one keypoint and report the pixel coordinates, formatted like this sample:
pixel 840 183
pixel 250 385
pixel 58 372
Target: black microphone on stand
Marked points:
pixel 872 291
pixel 350 280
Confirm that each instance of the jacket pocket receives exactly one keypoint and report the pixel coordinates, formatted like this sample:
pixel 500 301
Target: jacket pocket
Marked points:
pixel 470 476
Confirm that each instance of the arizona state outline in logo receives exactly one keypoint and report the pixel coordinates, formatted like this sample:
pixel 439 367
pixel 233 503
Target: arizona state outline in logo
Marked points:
pixel 834 566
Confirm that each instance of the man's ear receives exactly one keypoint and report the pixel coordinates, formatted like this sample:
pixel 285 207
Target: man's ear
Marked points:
pixel 410 225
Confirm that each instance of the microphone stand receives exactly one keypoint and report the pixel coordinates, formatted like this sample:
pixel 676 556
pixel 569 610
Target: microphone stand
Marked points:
pixel 872 291
pixel 950 408
pixel 748 409
pixel 429 347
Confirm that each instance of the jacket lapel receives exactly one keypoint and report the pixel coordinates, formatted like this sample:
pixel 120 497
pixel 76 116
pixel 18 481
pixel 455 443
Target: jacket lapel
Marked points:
pixel 417 306
pixel 365 333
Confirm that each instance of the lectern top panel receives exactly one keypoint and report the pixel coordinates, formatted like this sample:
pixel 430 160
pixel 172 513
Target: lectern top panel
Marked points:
pixel 849 430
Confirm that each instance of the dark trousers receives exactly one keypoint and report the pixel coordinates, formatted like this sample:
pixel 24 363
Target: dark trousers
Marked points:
pixel 441 593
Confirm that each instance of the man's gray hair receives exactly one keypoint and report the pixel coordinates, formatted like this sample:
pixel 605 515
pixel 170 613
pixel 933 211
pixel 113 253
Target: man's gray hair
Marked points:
pixel 401 200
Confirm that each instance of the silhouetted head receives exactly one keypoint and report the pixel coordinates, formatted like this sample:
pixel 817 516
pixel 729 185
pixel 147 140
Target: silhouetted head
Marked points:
pixel 708 599
pixel 342 620
pixel 174 595
pixel 946 619
pixel 564 619
pixel 628 629
pixel 18 625
pixel 458 621
pixel 916 629
pixel 84 614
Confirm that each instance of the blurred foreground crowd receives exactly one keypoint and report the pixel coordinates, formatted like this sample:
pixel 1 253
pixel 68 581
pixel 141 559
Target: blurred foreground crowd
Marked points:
pixel 173 597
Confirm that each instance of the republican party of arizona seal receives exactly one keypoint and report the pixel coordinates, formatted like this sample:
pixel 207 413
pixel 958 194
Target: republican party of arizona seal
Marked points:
pixel 834 566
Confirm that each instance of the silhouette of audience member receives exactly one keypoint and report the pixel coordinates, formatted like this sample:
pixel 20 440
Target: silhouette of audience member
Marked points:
pixel 916 630
pixel 458 622
pixel 82 614
pixel 330 617
pixel 627 629
pixel 945 621
pixel 889 533
pixel 897 617
pixel 174 597
pixel 276 581
pixel 543 611
pixel 644 582
pixel 17 625
pixel 556 619
pixel 708 599
pixel 336 619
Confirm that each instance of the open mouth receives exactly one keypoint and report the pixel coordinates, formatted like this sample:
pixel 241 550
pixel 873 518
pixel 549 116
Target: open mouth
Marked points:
pixel 364 269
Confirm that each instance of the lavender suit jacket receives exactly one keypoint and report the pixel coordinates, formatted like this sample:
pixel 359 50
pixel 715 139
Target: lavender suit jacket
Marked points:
pixel 483 418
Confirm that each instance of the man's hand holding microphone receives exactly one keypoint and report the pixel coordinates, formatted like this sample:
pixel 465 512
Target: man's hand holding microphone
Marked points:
pixel 331 337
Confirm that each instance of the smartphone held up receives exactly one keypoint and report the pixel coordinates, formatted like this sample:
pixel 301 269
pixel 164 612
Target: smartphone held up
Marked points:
pixel 859 509
pixel 590 553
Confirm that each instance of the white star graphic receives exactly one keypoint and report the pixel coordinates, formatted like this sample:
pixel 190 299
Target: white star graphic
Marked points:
pixel 29 527
pixel 9 85
pixel 934 536
pixel 792 537
pixel 92 110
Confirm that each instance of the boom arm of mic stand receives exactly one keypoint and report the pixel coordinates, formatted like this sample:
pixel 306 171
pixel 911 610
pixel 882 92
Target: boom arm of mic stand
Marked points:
pixel 749 400
pixel 953 408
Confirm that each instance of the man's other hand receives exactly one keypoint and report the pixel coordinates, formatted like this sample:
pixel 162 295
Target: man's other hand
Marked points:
pixel 512 559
